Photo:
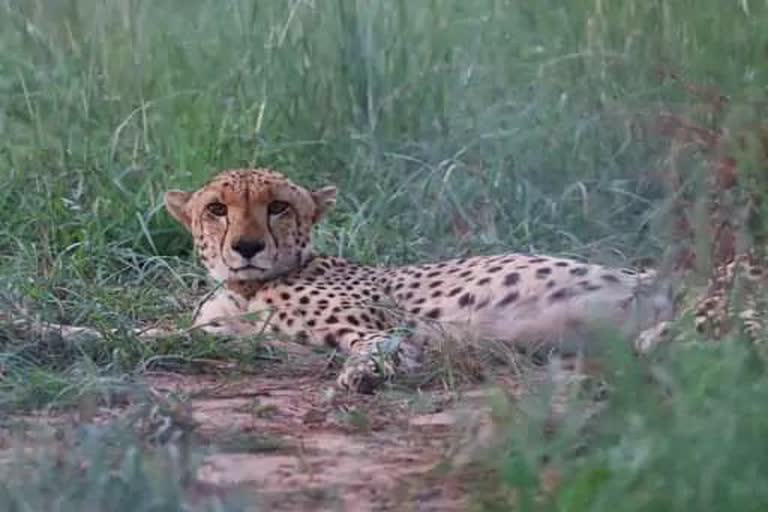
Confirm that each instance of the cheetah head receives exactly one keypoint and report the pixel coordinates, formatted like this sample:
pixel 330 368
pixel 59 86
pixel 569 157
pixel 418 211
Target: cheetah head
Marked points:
pixel 250 224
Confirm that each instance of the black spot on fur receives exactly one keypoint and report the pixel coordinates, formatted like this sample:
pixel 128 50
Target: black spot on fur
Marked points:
pixel 508 299
pixel 466 300
pixel 542 273
pixel 330 340
pixel 494 269
pixel 484 281
pixel 562 293
pixel 609 278
pixel 511 279
pixel 454 292
pixel 331 319
pixel 435 313
pixel 579 271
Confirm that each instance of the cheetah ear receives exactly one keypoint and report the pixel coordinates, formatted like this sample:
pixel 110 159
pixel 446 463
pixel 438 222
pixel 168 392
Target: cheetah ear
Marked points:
pixel 176 204
pixel 324 198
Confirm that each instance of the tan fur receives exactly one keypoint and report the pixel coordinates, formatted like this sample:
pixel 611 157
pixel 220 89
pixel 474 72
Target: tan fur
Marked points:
pixel 520 298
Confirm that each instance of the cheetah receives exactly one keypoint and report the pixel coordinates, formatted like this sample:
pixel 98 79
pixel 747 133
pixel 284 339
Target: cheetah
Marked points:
pixel 252 231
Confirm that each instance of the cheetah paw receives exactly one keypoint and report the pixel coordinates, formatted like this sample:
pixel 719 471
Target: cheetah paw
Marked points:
pixel 364 373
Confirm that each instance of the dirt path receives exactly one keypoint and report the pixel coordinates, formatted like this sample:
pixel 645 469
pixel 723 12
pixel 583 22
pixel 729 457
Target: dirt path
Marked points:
pixel 287 439
pixel 300 445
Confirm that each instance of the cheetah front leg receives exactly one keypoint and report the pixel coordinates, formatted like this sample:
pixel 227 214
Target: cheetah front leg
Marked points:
pixel 374 358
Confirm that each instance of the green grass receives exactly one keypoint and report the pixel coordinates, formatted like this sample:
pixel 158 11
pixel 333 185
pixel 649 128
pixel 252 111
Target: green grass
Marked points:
pixel 97 469
pixel 677 432
pixel 449 126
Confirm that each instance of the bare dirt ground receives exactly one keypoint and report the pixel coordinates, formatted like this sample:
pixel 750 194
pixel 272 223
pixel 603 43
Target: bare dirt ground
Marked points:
pixel 289 439
pixel 316 451
pixel 300 444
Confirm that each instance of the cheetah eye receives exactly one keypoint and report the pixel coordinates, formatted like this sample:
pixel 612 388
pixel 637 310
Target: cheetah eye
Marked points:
pixel 277 207
pixel 217 209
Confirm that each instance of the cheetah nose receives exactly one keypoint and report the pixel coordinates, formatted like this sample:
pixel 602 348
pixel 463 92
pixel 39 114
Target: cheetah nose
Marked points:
pixel 248 248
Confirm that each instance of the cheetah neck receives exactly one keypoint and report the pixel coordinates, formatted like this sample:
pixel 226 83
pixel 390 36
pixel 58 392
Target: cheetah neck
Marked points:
pixel 245 288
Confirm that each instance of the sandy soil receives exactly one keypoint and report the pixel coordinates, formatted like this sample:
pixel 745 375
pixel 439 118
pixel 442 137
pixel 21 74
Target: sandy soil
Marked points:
pixel 286 438
pixel 299 444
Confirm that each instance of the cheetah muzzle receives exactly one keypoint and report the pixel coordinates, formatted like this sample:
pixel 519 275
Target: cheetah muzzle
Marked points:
pixel 252 230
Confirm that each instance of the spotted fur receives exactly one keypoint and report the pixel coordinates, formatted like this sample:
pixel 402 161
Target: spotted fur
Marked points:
pixel 733 293
pixel 253 228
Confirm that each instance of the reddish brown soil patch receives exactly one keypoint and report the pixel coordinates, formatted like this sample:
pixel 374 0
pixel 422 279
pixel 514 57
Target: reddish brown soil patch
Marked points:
pixel 299 444
pixel 288 439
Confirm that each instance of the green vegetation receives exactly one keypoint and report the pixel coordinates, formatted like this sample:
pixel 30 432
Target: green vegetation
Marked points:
pixel 681 431
pixel 95 469
pixel 449 126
